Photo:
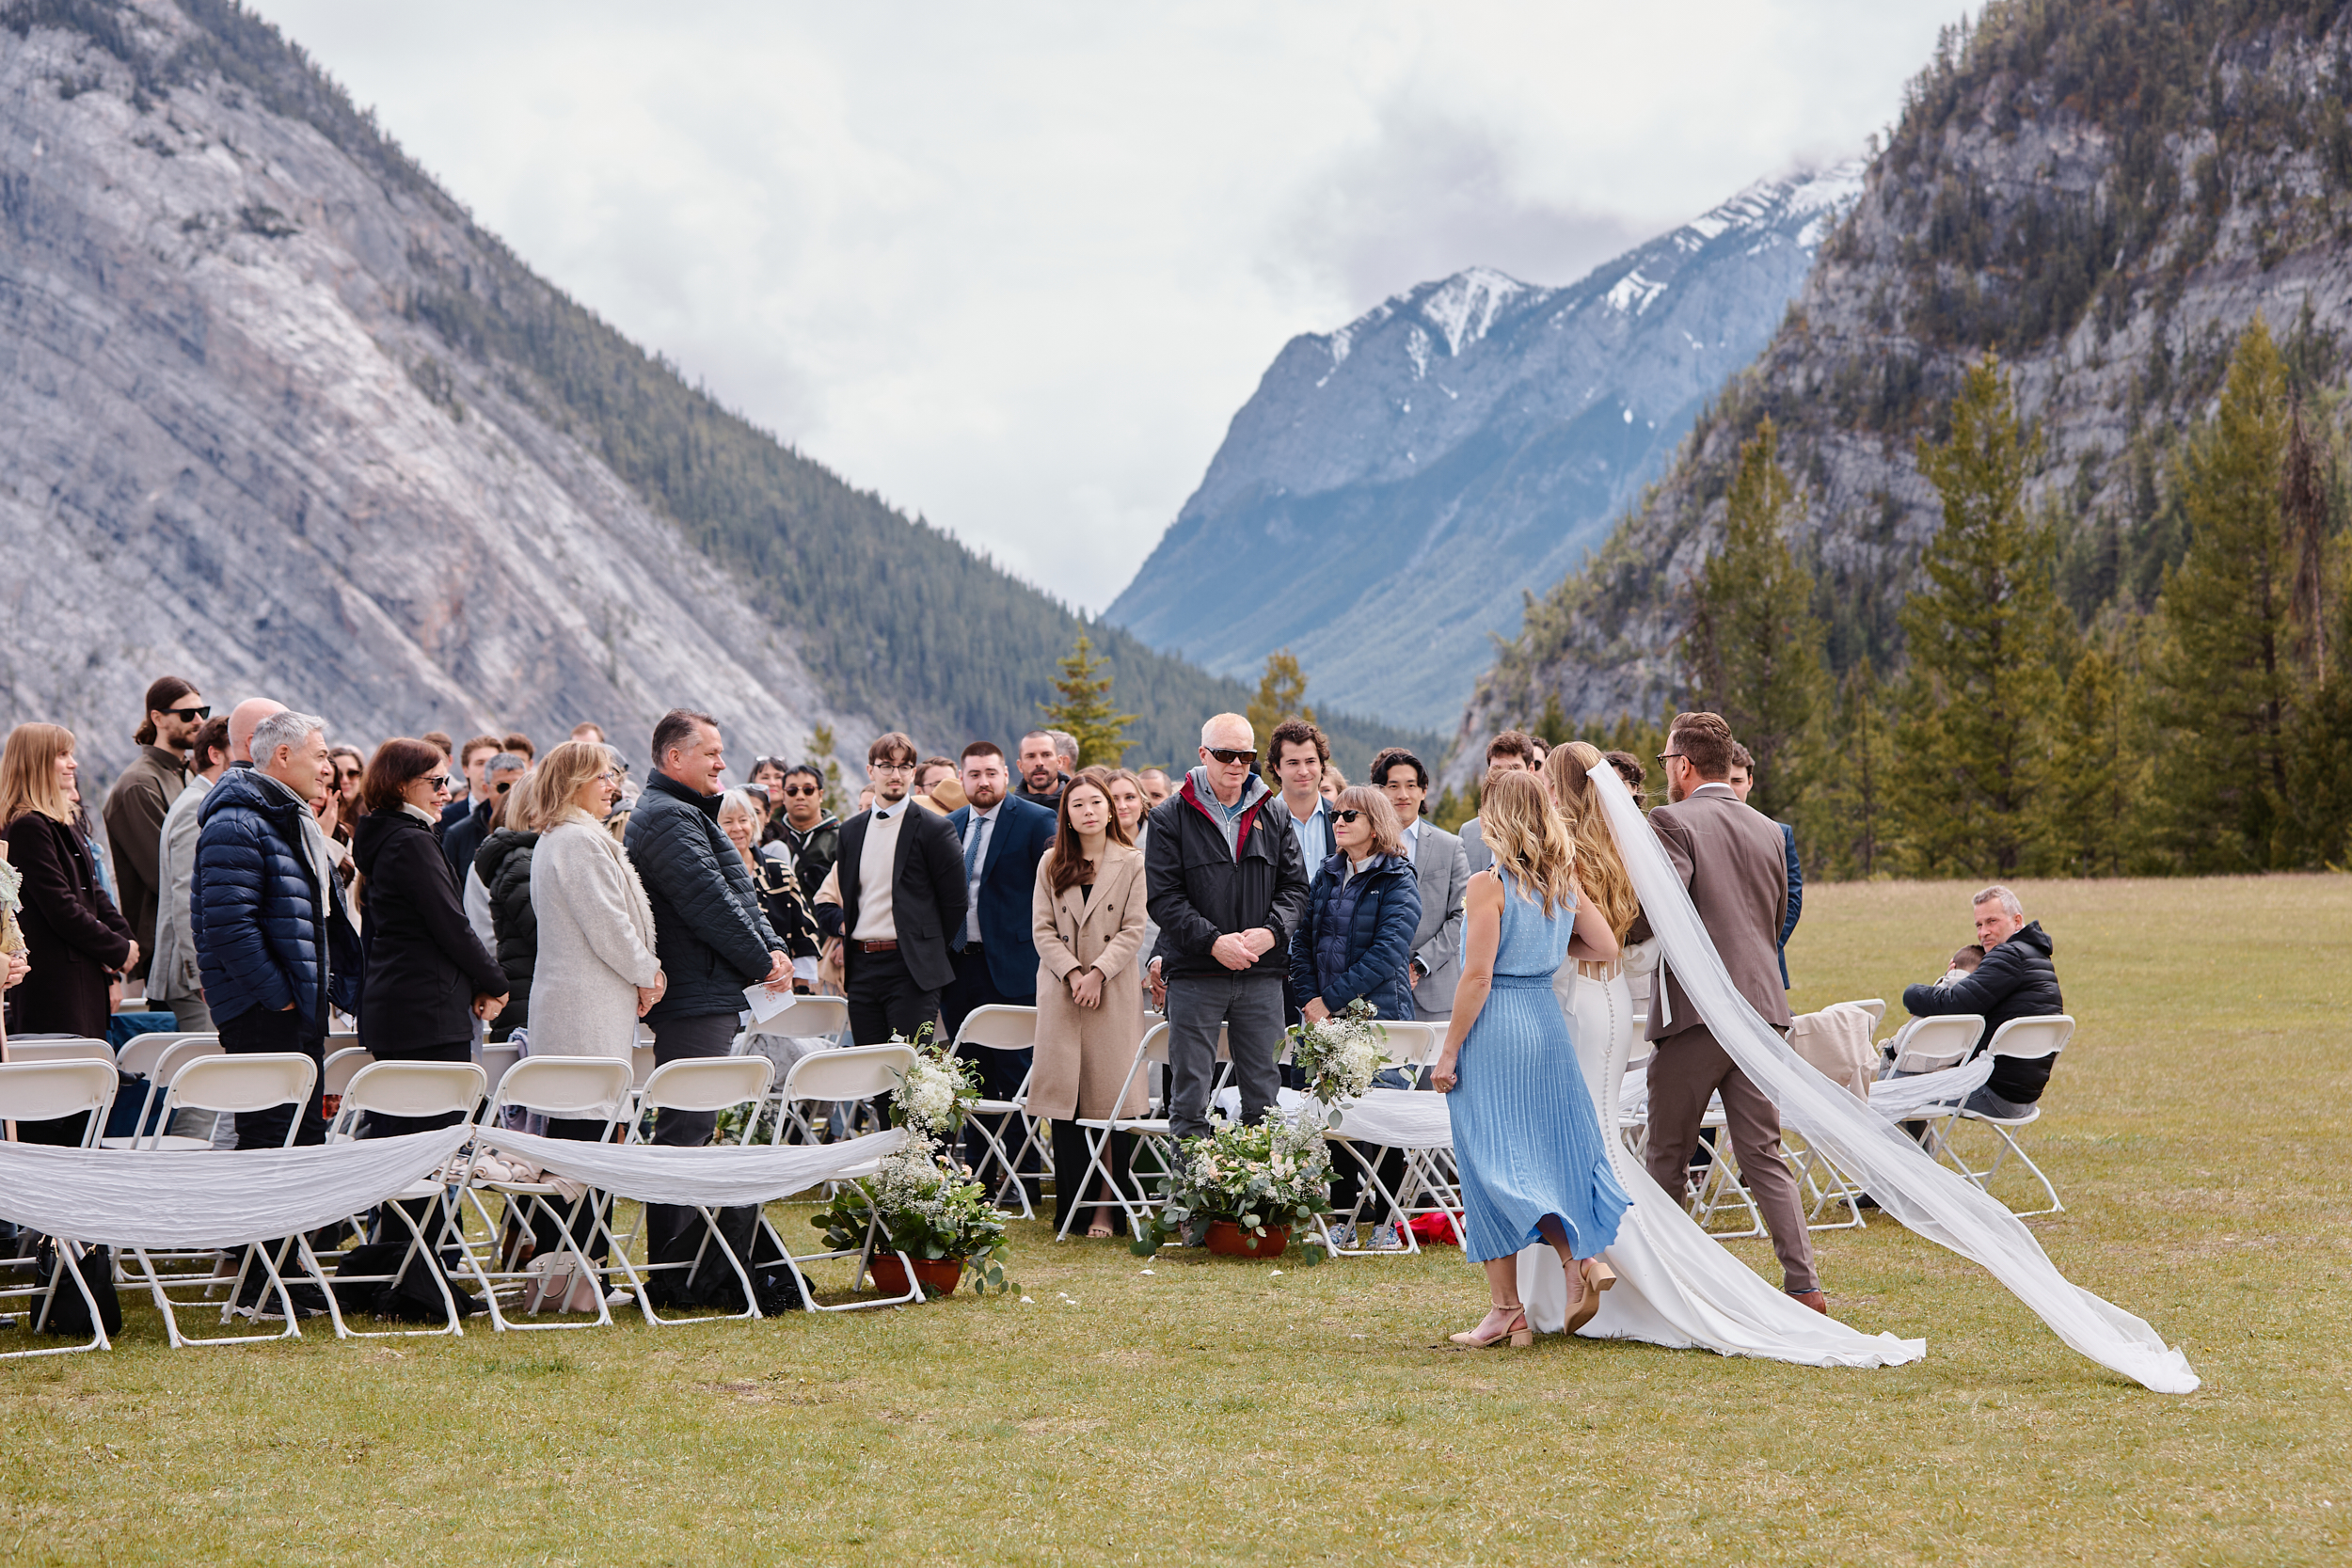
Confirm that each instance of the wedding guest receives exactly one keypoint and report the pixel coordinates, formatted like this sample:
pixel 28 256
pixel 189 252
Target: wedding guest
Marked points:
pixel 1001 838
pixel 1528 1143
pixel 1155 787
pixel 1742 781
pixel 1227 889
pixel 77 940
pixel 501 873
pixel 932 774
pixel 463 839
pixel 471 759
pixel 806 831
pixel 1041 768
pixel 172 976
pixel 588 730
pixel 428 977
pixel 136 806
pixel 1356 943
pixel 1629 769
pixel 1129 806
pixel 1301 755
pixel 1333 780
pixel 1088 923
pixel 1512 751
pixel 2015 980
pixel 779 891
pixel 519 745
pixel 1442 867
pixel 350 768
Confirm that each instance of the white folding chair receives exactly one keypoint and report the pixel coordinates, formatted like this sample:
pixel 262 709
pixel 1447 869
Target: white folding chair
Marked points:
pixel 344 1064
pixel 49 1091
pixel 495 1060
pixel 404 1089
pixel 140 1052
pixel 1413 1046
pixel 1003 1027
pixel 824 1018
pixel 1151 1131
pixel 61 1050
pixel 695 1083
pixel 154 1113
pixel 1932 1044
pixel 582 1088
pixel 240 1085
pixel 855 1073
pixel 2030 1038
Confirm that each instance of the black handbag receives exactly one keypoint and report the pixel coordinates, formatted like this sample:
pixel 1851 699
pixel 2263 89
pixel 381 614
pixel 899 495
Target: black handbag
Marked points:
pixel 69 1312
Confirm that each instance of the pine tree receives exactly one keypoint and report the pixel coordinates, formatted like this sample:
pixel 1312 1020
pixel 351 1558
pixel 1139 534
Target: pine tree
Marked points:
pixel 1551 727
pixel 820 745
pixel 1281 694
pixel 1844 813
pixel 1983 634
pixel 2085 811
pixel 1082 707
pixel 2224 682
pixel 1753 647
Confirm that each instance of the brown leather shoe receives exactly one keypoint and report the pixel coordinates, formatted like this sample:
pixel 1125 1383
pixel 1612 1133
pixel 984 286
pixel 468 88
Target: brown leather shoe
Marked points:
pixel 1814 1299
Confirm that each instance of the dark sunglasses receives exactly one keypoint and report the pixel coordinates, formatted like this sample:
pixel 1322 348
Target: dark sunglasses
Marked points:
pixel 507 786
pixel 1227 754
pixel 1348 816
pixel 190 715
pixel 438 781
pixel 802 790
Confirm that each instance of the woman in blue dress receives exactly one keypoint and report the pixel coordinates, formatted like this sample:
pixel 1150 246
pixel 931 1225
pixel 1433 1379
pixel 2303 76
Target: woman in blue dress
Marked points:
pixel 1526 1139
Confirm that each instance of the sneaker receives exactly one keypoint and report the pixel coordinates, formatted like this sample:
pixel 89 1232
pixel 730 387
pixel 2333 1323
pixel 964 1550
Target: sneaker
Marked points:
pixel 1342 1237
pixel 1385 1237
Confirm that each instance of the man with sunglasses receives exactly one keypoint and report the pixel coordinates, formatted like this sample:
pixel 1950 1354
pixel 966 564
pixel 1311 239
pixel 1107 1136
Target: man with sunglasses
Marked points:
pixel 1225 886
pixel 136 804
pixel 809 834
pixel 462 840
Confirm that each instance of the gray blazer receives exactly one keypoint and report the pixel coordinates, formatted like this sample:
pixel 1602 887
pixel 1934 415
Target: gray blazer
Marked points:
pixel 1474 846
pixel 1443 871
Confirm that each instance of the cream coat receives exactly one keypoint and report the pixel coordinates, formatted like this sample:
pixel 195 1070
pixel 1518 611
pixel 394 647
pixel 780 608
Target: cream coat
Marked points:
pixel 1083 1053
pixel 596 942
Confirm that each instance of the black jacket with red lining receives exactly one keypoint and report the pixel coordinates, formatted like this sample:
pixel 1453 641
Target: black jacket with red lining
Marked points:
pixel 1197 890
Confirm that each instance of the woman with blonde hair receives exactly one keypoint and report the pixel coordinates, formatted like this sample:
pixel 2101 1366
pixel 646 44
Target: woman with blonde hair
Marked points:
pixel 1534 1162
pixel 597 972
pixel 77 941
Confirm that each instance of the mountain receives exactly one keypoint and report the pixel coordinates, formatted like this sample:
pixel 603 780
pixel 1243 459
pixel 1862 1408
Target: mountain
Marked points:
pixel 1414 473
pixel 285 419
pixel 2102 192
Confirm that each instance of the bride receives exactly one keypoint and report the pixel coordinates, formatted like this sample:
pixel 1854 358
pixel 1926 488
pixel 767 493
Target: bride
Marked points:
pixel 1676 1286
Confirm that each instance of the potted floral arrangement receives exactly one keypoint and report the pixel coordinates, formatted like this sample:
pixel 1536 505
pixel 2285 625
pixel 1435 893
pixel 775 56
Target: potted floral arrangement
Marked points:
pixel 1253 1183
pixel 916 1199
pixel 1340 1055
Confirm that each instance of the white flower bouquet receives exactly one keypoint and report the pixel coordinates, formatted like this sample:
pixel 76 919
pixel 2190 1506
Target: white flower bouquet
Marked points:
pixel 1257 1174
pixel 1340 1055
pixel 937 1092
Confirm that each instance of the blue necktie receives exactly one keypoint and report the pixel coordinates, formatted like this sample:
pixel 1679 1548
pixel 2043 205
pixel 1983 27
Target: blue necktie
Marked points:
pixel 972 850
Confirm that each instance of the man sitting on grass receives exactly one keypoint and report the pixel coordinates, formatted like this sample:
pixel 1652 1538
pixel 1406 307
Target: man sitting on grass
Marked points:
pixel 2015 980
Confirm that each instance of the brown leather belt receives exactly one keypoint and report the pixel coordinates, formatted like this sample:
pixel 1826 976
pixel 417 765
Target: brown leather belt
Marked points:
pixel 878 946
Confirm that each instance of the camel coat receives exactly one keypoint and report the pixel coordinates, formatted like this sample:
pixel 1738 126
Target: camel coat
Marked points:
pixel 596 942
pixel 1083 1053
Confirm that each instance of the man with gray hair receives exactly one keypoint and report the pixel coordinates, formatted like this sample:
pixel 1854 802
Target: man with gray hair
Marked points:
pixel 2015 980
pixel 1225 884
pixel 462 840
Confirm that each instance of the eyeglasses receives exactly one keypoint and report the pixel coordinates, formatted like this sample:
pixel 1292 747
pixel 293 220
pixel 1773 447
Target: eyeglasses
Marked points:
pixel 891 766
pixel 1664 755
pixel 1348 816
pixel 611 775
pixel 802 790
pixel 1228 755
pixel 190 715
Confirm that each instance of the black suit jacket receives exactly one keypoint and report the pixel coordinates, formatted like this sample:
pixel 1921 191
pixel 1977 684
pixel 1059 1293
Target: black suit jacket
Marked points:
pixel 927 895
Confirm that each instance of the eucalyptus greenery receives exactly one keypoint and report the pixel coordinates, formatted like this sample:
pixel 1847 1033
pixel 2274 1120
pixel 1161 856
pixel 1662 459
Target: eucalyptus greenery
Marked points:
pixel 1271 1172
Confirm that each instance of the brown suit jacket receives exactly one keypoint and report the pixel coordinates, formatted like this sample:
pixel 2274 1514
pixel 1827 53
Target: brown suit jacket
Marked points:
pixel 1736 865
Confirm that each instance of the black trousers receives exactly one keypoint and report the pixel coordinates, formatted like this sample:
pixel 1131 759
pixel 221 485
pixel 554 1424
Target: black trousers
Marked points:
pixel 1070 1162
pixel 676 1039
pixel 884 999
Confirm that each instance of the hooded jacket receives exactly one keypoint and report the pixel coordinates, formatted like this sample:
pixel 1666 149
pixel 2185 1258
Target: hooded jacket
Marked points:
pixel 1357 939
pixel 709 931
pixel 2015 980
pixel 503 864
pixel 1202 885
pixel 266 933
pixel 425 966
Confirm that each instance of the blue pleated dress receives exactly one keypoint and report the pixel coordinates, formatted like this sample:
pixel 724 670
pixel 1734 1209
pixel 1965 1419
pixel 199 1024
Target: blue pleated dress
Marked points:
pixel 1525 1135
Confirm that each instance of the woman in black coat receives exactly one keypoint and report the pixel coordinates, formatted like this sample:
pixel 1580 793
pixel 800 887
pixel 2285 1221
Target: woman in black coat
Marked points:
pixel 77 941
pixel 428 975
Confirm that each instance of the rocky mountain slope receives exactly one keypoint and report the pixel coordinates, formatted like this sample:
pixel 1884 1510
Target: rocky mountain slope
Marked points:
pixel 1385 499
pixel 2103 192
pixel 283 419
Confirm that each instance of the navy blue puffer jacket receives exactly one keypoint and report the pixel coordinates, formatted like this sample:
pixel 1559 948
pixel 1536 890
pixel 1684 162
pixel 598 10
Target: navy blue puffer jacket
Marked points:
pixel 1358 937
pixel 263 938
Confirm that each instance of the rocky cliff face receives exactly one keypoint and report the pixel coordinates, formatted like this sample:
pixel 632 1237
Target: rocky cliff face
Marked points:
pixel 1386 498
pixel 232 455
pixel 2105 194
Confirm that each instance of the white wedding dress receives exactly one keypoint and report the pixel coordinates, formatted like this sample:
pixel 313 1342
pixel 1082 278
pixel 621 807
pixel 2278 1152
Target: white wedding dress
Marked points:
pixel 1676 1286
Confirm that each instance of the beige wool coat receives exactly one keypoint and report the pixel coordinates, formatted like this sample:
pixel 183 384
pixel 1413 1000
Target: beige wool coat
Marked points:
pixel 596 942
pixel 1083 1053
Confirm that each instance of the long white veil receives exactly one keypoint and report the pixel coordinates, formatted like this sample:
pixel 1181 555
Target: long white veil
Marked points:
pixel 1911 1187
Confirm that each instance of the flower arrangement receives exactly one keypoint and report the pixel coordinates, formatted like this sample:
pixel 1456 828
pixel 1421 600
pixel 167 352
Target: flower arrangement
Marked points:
pixel 1340 1055
pixel 1255 1173
pixel 917 1198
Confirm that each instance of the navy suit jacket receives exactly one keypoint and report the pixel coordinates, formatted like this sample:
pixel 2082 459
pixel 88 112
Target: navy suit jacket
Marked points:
pixel 1024 830
pixel 1796 899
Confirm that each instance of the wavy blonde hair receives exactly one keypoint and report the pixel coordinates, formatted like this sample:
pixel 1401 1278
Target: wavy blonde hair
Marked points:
pixel 546 793
pixel 1530 839
pixel 1599 869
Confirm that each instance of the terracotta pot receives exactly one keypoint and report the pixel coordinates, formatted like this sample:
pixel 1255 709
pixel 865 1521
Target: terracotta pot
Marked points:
pixel 1228 1239
pixel 938 1276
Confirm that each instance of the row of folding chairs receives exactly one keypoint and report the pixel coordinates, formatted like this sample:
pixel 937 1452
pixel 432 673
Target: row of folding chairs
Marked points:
pixel 588 1089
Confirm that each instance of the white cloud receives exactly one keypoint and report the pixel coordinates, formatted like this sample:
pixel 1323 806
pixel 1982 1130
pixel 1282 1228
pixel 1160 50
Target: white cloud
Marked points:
pixel 1015 266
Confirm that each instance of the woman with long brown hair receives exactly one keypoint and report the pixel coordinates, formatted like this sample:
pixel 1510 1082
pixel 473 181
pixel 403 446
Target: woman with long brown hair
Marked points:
pixel 77 940
pixel 1526 1138
pixel 1087 922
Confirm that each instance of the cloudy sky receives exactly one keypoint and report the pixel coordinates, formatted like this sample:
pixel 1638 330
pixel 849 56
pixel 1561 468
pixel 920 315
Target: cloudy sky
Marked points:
pixel 1015 265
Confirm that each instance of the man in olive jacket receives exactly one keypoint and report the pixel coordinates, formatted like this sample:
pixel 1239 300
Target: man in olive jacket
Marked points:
pixel 710 932
pixel 1226 884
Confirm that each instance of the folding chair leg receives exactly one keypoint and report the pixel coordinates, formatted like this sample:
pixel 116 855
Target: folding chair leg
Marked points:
pixel 69 1256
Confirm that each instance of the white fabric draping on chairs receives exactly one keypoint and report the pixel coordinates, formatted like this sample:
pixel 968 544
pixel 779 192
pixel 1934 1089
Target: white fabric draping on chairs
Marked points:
pixel 178 1199
pixel 1398 1118
pixel 721 1177
pixel 1910 1186
pixel 1899 1098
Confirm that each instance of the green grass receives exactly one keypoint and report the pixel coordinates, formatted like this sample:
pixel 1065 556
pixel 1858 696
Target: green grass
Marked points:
pixel 1215 1412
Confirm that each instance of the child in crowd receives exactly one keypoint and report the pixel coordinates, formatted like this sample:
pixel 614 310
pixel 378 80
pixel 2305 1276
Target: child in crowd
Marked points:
pixel 1964 963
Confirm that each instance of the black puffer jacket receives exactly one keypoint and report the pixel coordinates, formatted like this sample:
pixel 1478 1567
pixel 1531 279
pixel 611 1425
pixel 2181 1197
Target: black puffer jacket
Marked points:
pixel 503 864
pixel 709 929
pixel 1197 890
pixel 425 966
pixel 2016 980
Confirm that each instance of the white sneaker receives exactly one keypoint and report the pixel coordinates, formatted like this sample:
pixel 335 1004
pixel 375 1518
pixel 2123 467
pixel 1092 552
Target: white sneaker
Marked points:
pixel 1342 1237
pixel 1385 1237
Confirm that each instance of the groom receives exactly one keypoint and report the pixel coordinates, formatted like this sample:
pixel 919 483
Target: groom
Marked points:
pixel 1731 858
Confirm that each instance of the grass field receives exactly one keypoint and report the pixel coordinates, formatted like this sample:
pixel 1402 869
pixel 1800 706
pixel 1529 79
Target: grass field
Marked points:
pixel 1213 1412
